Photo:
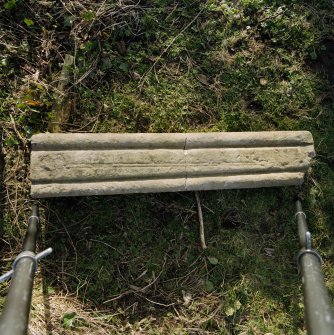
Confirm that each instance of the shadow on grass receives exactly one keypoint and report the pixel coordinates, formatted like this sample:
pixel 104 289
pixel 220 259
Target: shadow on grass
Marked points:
pixel 140 254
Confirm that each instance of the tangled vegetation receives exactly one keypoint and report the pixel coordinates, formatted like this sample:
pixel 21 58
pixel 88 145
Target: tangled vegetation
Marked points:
pixel 132 264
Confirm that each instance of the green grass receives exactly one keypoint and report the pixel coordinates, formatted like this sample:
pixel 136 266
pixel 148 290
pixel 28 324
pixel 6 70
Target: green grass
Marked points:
pixel 148 237
pixel 183 66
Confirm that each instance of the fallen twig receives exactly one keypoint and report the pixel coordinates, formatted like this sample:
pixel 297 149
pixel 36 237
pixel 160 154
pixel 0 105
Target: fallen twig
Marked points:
pixel 18 134
pixel 65 104
pixel 201 223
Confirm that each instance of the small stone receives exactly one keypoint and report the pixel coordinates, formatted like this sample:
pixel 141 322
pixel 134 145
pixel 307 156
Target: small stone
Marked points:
pixel 187 297
pixel 263 81
pixel 203 79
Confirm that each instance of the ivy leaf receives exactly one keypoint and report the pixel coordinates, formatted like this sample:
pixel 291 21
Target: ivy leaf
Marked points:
pixel 89 16
pixel 124 67
pixel 11 141
pixel 10 4
pixel 28 130
pixel 89 46
pixel 232 310
pixel 237 305
pixel 106 64
pixel 69 319
pixel 208 286
pixel 213 260
pixel 28 22
pixel 229 311
pixel 69 20
pixel 4 62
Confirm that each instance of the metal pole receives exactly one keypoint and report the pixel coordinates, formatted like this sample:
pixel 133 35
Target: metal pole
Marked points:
pixel 318 310
pixel 15 315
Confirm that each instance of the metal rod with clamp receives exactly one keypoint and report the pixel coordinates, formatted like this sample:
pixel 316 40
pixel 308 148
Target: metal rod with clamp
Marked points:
pixel 318 309
pixel 15 315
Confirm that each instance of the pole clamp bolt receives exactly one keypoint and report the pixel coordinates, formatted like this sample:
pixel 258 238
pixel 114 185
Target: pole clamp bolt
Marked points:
pixel 308 250
pixel 26 254
pixel 302 213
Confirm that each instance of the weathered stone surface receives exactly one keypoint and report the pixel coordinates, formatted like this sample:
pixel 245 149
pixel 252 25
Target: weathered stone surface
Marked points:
pixel 244 181
pixel 90 165
pixel 107 141
pixel 87 164
pixel 82 141
pixel 249 139
pixel 167 185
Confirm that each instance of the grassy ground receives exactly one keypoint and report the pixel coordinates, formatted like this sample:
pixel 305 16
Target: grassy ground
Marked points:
pixel 132 264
